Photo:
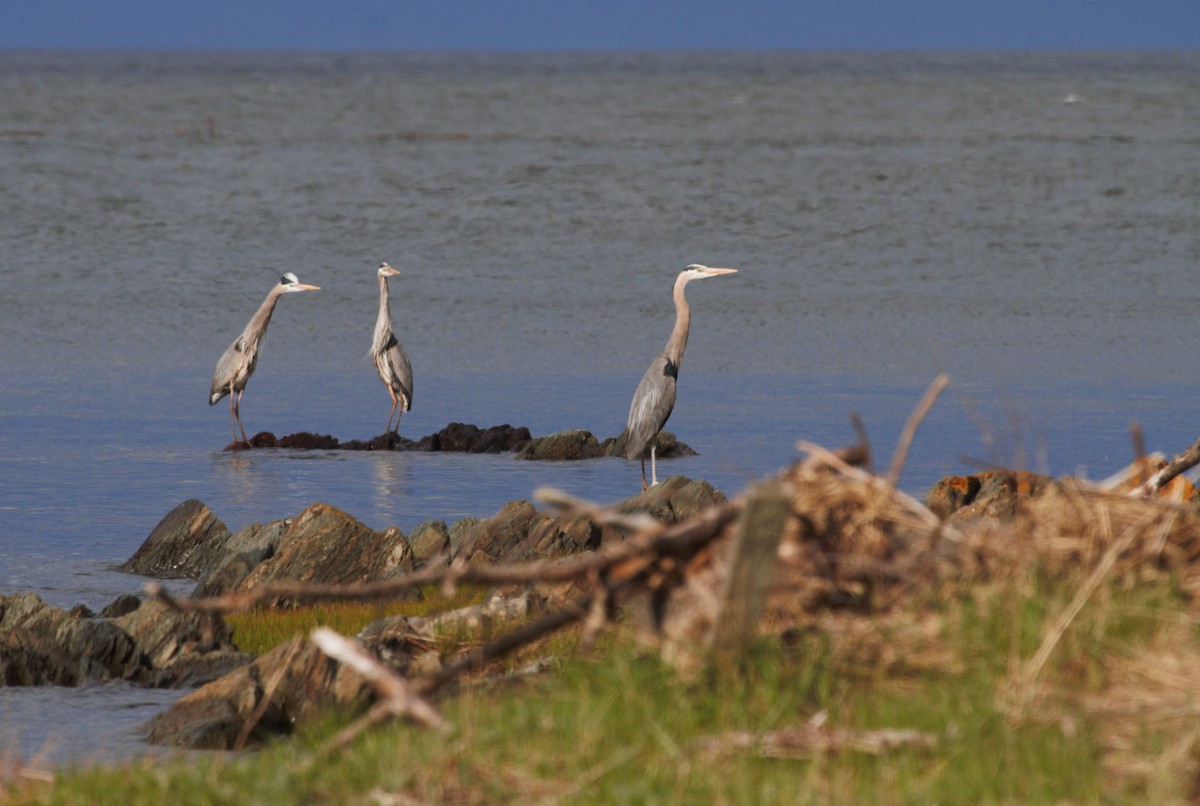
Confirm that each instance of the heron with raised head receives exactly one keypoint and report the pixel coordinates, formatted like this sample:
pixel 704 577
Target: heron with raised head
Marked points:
pixel 391 362
pixel 238 363
pixel 655 396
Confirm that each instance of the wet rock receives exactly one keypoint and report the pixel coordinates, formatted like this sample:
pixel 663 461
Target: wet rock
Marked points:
pixel 324 544
pixel 81 611
pixel 666 446
pixel 122 605
pixel 180 648
pixel 184 544
pixel 428 540
pixel 309 442
pixel 466 438
pixel 263 439
pixel 563 445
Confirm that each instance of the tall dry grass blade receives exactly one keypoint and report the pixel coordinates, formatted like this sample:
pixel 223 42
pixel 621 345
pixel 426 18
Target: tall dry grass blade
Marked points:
pixel 1023 686
pixel 910 427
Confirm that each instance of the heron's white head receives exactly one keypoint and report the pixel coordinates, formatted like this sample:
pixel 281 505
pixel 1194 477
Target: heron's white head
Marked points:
pixel 698 272
pixel 386 271
pixel 289 282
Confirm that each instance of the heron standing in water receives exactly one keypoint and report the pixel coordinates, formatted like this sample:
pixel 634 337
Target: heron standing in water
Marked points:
pixel 655 395
pixel 391 362
pixel 237 364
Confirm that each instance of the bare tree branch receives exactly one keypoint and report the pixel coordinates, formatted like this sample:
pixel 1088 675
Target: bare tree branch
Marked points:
pixel 1176 467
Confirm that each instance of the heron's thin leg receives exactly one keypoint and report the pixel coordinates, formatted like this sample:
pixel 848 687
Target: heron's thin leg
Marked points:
pixel 392 413
pixel 237 410
pixel 644 485
pixel 233 418
pixel 653 469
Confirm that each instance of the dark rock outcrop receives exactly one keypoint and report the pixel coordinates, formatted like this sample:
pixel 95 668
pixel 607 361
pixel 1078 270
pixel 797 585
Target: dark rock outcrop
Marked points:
pixel 575 443
pixel 666 446
pixel 152 645
pixel 563 445
pixel 184 544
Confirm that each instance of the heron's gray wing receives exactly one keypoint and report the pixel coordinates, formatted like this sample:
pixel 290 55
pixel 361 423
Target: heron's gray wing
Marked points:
pixel 395 370
pixel 651 407
pixel 226 371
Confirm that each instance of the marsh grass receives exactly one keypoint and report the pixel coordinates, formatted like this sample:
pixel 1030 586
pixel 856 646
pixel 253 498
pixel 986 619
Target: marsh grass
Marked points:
pixel 1051 658
pixel 259 631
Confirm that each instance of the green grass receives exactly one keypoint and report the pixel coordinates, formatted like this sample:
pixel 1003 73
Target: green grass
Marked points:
pixel 615 725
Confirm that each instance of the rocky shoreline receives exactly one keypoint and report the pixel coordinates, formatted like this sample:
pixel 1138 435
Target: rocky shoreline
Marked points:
pixel 238 698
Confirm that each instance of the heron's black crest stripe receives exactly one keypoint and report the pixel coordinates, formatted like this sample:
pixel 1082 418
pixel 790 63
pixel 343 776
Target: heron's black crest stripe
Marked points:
pixel 670 370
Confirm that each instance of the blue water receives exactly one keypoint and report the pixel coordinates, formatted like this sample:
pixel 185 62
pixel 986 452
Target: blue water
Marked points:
pixel 1024 222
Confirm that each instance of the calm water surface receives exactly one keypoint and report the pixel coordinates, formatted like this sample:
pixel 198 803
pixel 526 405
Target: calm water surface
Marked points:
pixel 1025 222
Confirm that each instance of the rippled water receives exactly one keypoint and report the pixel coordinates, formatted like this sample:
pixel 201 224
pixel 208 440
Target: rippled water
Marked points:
pixel 1025 222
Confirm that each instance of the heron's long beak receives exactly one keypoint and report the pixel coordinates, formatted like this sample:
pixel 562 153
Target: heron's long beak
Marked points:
pixel 715 272
pixel 306 287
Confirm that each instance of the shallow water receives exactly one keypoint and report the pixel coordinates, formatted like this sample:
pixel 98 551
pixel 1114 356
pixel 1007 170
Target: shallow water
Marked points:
pixel 1026 223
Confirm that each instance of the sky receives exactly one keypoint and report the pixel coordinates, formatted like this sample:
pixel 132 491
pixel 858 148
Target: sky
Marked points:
pixel 541 25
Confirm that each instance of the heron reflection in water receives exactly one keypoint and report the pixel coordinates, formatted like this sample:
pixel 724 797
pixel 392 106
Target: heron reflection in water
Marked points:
pixel 237 364
pixel 655 396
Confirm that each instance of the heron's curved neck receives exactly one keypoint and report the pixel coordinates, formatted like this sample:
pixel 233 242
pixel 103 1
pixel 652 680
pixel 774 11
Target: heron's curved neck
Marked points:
pixel 257 327
pixel 385 311
pixel 683 319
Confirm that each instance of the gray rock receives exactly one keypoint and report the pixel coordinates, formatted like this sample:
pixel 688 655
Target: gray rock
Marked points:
pixel 45 645
pixel 429 539
pixel 244 551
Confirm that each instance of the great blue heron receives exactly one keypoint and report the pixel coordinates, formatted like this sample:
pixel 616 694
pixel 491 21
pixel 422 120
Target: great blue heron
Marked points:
pixel 655 395
pixel 391 362
pixel 237 364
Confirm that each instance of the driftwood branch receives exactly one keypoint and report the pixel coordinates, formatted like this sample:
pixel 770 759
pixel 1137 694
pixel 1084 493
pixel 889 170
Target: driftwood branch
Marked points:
pixel 1175 468
pixel 396 696
pixel 815 738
